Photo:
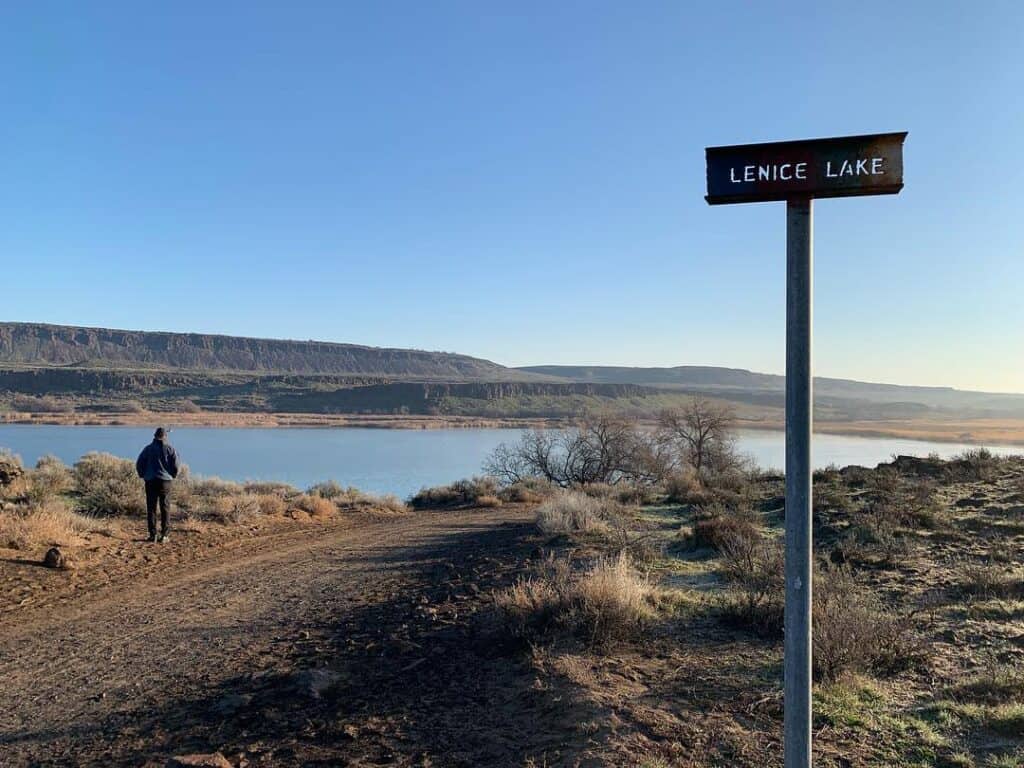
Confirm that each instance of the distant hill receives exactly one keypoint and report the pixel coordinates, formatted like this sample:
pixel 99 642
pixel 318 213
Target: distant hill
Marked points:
pixel 32 344
pixel 844 397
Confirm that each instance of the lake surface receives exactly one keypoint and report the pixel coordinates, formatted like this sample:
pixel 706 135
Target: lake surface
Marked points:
pixel 386 460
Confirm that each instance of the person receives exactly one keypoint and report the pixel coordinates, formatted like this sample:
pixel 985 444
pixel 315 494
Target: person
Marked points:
pixel 157 465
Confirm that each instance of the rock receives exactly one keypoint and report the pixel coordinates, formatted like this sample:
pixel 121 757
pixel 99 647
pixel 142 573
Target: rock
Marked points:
pixel 10 470
pixel 211 760
pixel 54 558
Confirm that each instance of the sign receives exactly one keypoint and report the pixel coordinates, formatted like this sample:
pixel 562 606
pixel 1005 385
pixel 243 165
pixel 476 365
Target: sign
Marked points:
pixel 834 167
pixel 798 172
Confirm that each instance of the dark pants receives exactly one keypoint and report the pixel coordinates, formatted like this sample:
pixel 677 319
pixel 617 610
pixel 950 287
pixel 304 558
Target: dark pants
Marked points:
pixel 157 491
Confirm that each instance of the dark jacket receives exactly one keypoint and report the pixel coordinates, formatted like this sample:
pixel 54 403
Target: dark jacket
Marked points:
pixel 158 461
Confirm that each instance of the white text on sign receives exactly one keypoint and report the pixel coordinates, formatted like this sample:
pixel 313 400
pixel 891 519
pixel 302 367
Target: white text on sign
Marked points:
pixel 865 166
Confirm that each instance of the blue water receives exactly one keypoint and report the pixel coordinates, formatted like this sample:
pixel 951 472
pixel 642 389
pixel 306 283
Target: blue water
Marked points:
pixel 385 460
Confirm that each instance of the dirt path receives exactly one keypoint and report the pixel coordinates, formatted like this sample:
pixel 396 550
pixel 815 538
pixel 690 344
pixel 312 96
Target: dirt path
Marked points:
pixel 276 650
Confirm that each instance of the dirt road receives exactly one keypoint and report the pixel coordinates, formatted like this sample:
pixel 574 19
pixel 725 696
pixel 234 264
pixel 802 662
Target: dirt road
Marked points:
pixel 334 644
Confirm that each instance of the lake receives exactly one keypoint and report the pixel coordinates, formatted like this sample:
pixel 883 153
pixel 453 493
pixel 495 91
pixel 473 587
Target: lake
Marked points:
pixel 386 460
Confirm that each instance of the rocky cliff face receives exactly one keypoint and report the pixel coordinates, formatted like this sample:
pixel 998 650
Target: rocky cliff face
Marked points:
pixel 57 345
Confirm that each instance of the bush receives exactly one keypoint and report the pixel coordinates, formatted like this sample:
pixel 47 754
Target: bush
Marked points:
pixel 571 512
pixel 685 488
pixel 851 631
pixel 41 404
pixel 50 478
pixel 721 530
pixel 974 464
pixel 270 487
pixel 45 524
pixel 238 508
pixel 609 601
pixel 107 485
pixel 316 506
pixel 755 568
pixel 529 491
pixel 329 490
pixel 461 493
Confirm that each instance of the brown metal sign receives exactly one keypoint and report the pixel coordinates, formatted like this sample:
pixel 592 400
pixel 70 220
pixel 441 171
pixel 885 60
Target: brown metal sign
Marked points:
pixel 782 170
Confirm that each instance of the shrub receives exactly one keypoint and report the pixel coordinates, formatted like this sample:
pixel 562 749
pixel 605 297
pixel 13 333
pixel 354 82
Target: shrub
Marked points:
pixel 237 508
pixel 317 506
pixel 107 485
pixel 41 404
pixel 685 488
pixel 461 493
pixel 529 491
pixel 270 504
pixel 50 478
pixel 44 524
pixel 264 487
pixel 755 568
pixel 329 490
pixel 851 631
pixel 12 475
pixel 974 464
pixel 571 512
pixel 719 531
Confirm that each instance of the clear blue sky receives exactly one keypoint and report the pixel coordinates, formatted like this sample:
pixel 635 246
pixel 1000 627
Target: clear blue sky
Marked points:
pixel 519 181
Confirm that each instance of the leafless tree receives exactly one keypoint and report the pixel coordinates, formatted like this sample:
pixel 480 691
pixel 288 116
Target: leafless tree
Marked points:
pixel 701 433
pixel 600 448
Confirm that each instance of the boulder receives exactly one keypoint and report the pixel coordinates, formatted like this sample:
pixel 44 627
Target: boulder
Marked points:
pixel 54 558
pixel 10 470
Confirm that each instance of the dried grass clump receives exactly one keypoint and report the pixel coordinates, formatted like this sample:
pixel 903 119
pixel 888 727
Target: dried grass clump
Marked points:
pixel 353 499
pixel 461 493
pixel 236 508
pixel 315 506
pixel 528 491
pixel 108 485
pixel 46 524
pixel 270 487
pixel 989 580
pixel 609 601
pixel 571 512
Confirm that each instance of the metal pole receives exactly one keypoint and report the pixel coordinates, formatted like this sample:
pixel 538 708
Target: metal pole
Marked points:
pixel 799 404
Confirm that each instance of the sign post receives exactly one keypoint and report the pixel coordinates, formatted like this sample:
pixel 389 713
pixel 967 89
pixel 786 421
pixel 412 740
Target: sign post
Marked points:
pixel 798 172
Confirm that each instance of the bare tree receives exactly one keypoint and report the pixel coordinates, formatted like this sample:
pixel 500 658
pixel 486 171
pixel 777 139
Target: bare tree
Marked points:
pixel 701 433
pixel 600 448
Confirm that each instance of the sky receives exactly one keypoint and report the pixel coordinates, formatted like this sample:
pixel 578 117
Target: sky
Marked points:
pixel 517 181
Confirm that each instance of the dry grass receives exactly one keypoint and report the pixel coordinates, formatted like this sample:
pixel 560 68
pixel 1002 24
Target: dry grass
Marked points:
pixel 461 493
pixel 315 506
pixel 609 601
pixel 571 512
pixel 48 523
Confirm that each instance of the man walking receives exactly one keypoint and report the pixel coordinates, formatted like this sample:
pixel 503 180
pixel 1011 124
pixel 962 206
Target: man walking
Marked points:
pixel 158 466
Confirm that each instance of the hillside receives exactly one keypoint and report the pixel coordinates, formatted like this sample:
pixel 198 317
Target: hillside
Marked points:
pixel 844 397
pixel 33 344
